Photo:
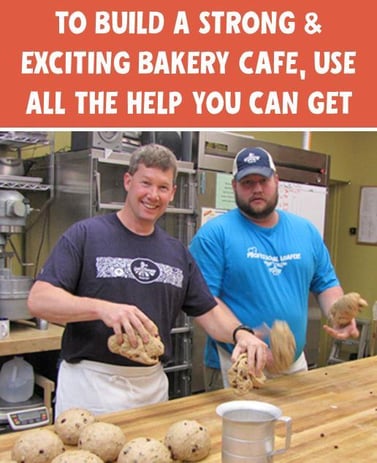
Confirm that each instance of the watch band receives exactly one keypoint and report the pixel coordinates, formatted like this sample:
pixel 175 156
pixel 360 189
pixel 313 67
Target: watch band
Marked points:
pixel 241 327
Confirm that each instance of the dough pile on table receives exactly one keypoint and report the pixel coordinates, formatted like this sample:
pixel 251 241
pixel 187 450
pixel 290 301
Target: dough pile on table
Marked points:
pixel 37 446
pixel 240 379
pixel 69 424
pixel 103 442
pixel 147 353
pixel 77 456
pixel 188 440
pixel 103 439
pixel 144 450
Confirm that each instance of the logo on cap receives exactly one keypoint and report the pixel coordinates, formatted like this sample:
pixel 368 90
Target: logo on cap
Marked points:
pixel 253 161
pixel 251 158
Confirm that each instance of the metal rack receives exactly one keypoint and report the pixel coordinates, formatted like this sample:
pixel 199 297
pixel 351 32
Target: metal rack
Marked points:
pixel 22 184
pixel 351 349
pixel 16 141
pixel 13 179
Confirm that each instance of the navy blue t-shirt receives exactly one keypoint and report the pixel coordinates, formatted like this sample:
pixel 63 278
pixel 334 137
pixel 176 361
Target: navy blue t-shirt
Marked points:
pixel 100 258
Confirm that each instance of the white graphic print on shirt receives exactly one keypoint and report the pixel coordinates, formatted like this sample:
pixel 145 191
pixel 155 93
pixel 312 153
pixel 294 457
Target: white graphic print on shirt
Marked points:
pixel 143 270
pixel 275 264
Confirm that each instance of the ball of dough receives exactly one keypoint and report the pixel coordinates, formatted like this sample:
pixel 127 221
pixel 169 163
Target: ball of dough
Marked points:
pixel 69 424
pixel 283 346
pixel 103 439
pixel 346 308
pixel 37 446
pixel 188 440
pixel 144 450
pixel 8 461
pixel 147 353
pixel 241 380
pixel 77 456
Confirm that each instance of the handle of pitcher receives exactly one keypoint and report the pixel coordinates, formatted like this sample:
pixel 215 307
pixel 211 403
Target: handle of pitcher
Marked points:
pixel 288 432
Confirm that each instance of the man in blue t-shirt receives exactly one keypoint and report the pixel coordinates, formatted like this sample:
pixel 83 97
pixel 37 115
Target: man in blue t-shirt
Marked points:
pixel 262 263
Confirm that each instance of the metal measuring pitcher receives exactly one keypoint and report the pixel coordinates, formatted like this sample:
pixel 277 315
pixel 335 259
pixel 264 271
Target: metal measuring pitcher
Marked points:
pixel 248 431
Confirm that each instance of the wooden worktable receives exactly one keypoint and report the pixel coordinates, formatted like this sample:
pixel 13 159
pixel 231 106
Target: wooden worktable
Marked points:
pixel 333 411
pixel 25 338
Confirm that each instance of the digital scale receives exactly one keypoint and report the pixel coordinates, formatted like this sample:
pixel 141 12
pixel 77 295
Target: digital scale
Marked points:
pixel 23 415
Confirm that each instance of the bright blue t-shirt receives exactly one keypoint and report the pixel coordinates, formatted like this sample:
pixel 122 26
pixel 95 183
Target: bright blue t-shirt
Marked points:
pixel 263 274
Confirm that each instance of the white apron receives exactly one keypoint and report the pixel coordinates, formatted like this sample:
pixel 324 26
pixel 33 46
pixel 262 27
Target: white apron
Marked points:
pixel 103 388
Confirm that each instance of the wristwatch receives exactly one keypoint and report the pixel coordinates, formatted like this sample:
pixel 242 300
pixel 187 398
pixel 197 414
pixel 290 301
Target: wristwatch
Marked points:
pixel 241 327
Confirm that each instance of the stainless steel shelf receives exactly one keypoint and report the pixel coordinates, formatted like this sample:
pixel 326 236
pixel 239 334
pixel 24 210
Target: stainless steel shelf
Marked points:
pixel 22 139
pixel 112 157
pixel 24 184
pixel 170 210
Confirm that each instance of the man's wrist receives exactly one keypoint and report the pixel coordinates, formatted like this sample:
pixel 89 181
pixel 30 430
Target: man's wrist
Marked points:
pixel 239 328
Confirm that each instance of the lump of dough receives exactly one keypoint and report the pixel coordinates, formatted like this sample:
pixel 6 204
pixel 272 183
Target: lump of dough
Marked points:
pixel 77 456
pixel 283 346
pixel 103 439
pixel 144 450
pixel 188 440
pixel 69 424
pixel 346 308
pixel 147 353
pixel 241 380
pixel 37 446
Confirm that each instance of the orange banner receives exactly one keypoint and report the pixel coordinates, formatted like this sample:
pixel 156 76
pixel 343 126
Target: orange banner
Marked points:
pixel 220 64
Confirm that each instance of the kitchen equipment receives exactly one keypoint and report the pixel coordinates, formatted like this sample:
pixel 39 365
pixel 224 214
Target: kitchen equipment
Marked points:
pixel 11 166
pixel 29 418
pixel 16 380
pixel 343 350
pixel 12 414
pixel 14 290
pixel 248 431
pixel 4 328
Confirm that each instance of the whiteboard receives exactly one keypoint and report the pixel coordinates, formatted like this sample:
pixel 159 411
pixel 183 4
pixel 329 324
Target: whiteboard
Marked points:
pixel 308 201
pixel 367 230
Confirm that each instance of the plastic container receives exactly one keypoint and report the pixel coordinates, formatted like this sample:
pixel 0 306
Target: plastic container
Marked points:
pixel 16 380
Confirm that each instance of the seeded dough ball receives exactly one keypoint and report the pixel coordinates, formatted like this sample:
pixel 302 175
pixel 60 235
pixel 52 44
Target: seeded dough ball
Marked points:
pixel 188 440
pixel 144 450
pixel 103 439
pixel 241 380
pixel 69 424
pixel 77 456
pixel 147 353
pixel 37 446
